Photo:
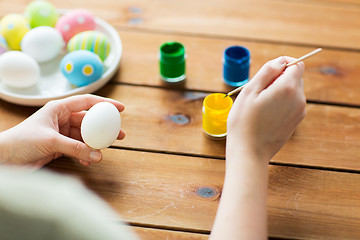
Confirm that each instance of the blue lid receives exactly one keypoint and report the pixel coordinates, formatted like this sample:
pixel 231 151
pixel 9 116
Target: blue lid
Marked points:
pixel 236 65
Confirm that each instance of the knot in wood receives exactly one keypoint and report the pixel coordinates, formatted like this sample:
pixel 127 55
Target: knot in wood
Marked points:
pixel 135 21
pixel 135 10
pixel 329 71
pixel 207 192
pixel 179 119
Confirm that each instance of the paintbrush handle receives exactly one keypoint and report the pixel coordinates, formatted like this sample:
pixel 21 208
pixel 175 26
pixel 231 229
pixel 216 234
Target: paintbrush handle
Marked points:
pixel 287 65
pixel 235 90
pixel 304 57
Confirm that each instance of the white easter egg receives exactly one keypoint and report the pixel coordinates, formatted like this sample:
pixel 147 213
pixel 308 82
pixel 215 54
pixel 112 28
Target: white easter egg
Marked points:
pixel 42 43
pixel 100 126
pixel 18 69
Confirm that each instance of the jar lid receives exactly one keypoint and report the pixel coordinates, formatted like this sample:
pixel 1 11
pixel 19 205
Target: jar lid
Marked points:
pixel 236 66
pixel 217 105
pixel 237 56
pixel 172 52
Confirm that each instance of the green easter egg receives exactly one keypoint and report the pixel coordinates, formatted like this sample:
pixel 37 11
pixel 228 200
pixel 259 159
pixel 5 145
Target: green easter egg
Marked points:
pixel 93 41
pixel 41 13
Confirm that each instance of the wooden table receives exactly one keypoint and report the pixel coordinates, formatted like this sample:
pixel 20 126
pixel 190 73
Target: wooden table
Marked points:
pixel 166 177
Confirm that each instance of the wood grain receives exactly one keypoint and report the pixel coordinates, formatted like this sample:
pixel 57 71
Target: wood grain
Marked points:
pixel 329 77
pixel 294 22
pixel 12 114
pixel 171 121
pixel 166 177
pixel 328 137
pixel 336 3
pixel 166 190
pixel 143 188
pixel 156 234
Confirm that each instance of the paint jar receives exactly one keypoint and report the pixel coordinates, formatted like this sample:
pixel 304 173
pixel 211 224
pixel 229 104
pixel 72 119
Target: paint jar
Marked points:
pixel 216 109
pixel 172 62
pixel 236 65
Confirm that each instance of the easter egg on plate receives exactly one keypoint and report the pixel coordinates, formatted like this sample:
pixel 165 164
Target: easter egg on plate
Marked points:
pixel 81 67
pixel 42 43
pixel 74 22
pixel 93 41
pixel 41 13
pixel 18 69
pixel 101 125
pixel 3 45
pixel 13 28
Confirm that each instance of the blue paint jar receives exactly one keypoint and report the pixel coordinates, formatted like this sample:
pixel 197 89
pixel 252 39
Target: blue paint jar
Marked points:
pixel 236 66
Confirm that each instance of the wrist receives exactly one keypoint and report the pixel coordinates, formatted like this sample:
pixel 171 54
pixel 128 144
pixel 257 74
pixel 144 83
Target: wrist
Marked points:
pixel 246 149
pixel 243 202
pixel 245 152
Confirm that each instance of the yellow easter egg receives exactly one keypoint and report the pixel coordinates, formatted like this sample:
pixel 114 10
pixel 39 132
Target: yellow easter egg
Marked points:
pixel 13 28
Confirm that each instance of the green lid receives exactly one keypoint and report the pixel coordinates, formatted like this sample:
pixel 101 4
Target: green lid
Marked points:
pixel 172 62
pixel 172 52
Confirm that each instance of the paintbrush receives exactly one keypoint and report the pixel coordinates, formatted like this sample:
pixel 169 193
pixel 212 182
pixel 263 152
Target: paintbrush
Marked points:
pixel 287 65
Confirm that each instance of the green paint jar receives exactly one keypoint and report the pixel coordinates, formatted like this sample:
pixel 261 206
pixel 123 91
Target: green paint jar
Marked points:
pixel 172 62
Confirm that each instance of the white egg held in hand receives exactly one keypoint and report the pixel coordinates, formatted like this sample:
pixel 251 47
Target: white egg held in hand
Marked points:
pixel 18 69
pixel 42 43
pixel 100 126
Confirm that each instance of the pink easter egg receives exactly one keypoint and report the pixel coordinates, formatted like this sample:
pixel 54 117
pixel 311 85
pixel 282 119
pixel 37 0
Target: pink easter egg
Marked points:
pixel 74 22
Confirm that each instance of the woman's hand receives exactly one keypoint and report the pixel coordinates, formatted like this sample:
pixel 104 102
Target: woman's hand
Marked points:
pixel 268 109
pixel 52 131
pixel 261 120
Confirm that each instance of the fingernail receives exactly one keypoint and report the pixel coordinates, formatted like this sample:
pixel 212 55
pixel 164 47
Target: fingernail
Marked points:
pixel 281 61
pixel 95 156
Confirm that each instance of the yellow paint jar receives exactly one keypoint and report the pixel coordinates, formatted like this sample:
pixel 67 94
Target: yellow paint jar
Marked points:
pixel 216 109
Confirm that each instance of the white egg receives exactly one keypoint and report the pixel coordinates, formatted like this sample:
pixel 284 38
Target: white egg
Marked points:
pixel 42 43
pixel 101 125
pixel 18 69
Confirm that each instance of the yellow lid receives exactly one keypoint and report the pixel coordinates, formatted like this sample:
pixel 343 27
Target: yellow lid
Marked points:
pixel 216 108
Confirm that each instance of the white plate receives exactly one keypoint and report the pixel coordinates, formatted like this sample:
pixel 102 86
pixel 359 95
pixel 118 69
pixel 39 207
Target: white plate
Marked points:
pixel 53 85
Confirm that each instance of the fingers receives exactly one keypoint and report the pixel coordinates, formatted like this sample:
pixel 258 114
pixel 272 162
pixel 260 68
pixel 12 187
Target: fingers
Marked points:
pixel 84 102
pixel 75 121
pixel 291 77
pixel 76 149
pixel 75 133
pixel 121 135
pixel 86 164
pixel 267 74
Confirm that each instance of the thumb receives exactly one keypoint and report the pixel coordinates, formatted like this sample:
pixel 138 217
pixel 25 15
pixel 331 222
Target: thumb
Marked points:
pixel 267 74
pixel 77 149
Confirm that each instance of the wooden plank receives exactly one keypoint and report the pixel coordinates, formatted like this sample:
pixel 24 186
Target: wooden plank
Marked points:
pixel 328 137
pixel 11 114
pixel 163 120
pixel 164 191
pixel 337 3
pixel 144 188
pixel 171 121
pixel 276 21
pixel 330 76
pixel 156 234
